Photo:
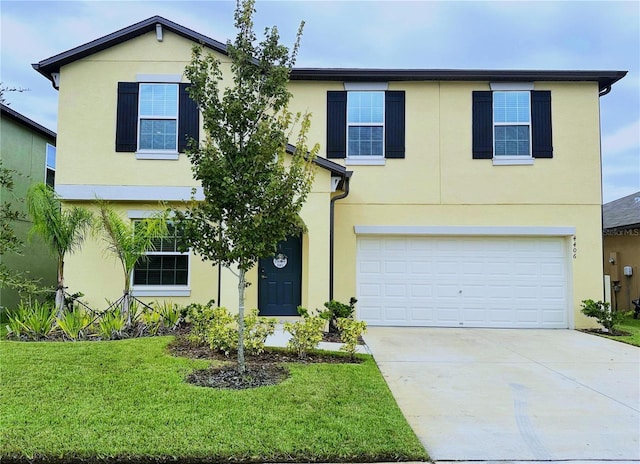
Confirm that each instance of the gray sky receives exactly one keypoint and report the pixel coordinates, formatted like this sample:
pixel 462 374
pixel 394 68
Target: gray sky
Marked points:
pixel 567 35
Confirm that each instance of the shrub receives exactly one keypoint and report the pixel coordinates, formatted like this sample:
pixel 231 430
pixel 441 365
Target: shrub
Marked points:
pixel 350 332
pixel 305 333
pixel 602 313
pixel 200 317
pixel 152 321
pixel 111 324
pixel 256 331
pixel 223 331
pixel 75 324
pixel 337 310
pixel 170 312
pixel 222 334
pixel 35 321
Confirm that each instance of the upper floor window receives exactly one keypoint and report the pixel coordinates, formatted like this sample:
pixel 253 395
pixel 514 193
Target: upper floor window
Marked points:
pixel 512 127
pixel 158 122
pixel 511 124
pixel 365 122
pixel 155 120
pixel 366 125
pixel 50 166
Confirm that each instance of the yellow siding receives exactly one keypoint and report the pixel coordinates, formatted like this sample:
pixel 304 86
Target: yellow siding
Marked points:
pixel 438 183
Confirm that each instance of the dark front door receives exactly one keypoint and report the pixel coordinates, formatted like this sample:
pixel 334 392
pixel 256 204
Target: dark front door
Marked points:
pixel 280 280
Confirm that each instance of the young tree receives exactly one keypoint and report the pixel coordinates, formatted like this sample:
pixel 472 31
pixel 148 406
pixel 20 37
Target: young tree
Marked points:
pixel 129 242
pixel 62 230
pixel 253 190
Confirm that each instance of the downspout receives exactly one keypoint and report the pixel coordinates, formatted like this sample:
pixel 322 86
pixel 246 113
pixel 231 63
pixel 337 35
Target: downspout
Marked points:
pixel 347 178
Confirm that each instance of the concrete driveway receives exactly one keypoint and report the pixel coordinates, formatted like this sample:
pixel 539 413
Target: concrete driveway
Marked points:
pixel 510 394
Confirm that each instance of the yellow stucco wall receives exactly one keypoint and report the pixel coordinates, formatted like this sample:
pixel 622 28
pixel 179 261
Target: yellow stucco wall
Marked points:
pixel 438 183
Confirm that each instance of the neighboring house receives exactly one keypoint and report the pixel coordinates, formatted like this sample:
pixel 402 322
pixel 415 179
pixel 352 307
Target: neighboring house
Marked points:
pixel 30 150
pixel 621 231
pixel 442 197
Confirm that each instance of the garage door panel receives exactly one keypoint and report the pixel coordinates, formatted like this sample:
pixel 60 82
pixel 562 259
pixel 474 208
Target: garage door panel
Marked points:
pixel 463 281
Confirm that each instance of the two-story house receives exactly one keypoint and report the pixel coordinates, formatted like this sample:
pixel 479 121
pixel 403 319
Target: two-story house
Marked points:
pixel 28 149
pixel 442 197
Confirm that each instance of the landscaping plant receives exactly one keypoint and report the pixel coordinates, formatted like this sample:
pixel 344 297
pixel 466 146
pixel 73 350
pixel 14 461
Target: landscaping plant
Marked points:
pixel 306 333
pixel 223 331
pixel 350 332
pixel 112 324
pixel 337 310
pixel 253 188
pixel 129 242
pixel 63 230
pixel 200 317
pixel 33 320
pixel 75 324
pixel 602 313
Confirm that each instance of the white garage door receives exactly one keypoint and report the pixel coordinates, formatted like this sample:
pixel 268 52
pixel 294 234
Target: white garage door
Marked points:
pixel 517 282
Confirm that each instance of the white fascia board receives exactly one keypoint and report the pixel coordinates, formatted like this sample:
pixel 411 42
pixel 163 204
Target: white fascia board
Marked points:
pixel 510 86
pixel 164 78
pixel 126 192
pixel 561 231
pixel 371 86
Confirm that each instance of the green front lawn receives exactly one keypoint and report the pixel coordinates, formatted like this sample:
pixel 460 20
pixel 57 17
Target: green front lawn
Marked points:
pixel 127 399
pixel 630 325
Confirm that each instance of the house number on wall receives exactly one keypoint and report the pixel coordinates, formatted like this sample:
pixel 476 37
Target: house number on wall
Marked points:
pixel 574 247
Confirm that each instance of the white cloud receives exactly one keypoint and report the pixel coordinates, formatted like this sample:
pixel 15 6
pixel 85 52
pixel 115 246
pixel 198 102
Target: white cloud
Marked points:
pixel 625 138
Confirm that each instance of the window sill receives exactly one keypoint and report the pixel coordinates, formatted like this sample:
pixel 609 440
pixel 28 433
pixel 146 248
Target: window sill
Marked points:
pixel 513 161
pixel 150 155
pixel 161 291
pixel 365 161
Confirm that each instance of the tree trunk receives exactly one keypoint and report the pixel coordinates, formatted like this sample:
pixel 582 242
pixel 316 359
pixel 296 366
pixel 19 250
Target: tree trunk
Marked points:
pixel 126 305
pixel 241 288
pixel 60 289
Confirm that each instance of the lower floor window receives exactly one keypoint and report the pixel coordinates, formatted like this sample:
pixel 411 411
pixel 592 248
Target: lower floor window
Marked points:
pixel 162 270
pixel 164 265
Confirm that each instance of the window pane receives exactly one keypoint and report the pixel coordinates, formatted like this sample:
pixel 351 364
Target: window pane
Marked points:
pixel 365 141
pixel 158 134
pixel 365 107
pixel 511 141
pixel 50 178
pixel 159 100
pixel 511 107
pixel 51 156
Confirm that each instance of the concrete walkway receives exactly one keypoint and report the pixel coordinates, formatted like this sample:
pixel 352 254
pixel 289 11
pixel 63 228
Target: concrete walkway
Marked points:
pixel 509 394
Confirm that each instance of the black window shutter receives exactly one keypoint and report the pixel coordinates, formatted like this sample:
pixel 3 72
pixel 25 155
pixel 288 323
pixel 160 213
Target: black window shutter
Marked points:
pixel 482 125
pixel 127 117
pixel 336 124
pixel 394 124
pixel 188 119
pixel 541 139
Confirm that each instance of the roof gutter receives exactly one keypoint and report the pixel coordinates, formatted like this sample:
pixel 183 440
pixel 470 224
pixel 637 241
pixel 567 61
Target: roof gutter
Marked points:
pixel 344 194
pixel 605 91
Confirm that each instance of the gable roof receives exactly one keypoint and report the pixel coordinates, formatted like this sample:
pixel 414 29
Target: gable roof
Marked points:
pixel 622 213
pixel 53 64
pixel 25 121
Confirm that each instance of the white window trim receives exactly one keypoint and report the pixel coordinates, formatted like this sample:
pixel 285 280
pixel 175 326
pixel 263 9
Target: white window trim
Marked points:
pixel 373 160
pixel 512 158
pixel 366 86
pixel 159 290
pixel 521 231
pixel 46 162
pixel 159 78
pixel 365 161
pixel 155 153
pixel 511 86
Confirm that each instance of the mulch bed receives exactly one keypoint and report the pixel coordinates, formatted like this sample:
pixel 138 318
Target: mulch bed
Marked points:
pixel 261 370
pixel 612 333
